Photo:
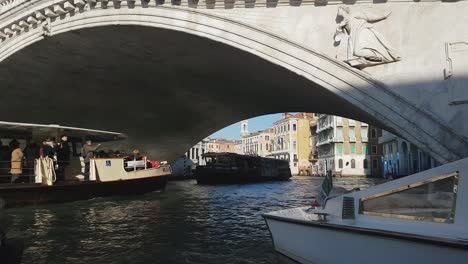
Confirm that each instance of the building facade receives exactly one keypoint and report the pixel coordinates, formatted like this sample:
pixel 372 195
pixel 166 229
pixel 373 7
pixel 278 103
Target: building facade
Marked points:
pixel 238 147
pixel 313 157
pixel 375 151
pixel 221 145
pixel 401 158
pixel 195 153
pixel 291 140
pixel 342 146
pixel 258 143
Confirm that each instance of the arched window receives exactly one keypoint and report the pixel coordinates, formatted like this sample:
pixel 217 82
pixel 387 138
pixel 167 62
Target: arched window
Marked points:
pixel 365 164
pixel 340 163
pixel 353 164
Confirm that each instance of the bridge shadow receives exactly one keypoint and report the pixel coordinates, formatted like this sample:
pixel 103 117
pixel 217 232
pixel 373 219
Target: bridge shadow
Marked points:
pixel 176 2
pixel 193 3
pixel 180 86
pixel 210 4
pixel 249 3
pixel 295 2
pixel 272 3
pixel 229 4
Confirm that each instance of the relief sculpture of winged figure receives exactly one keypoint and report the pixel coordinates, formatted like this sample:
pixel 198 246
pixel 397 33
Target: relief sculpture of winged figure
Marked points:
pixel 360 45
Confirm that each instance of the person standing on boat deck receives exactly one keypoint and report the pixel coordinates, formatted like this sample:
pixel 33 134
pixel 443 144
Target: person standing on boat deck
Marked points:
pixel 88 153
pixel 31 152
pixel 48 149
pixel 63 157
pixel 16 162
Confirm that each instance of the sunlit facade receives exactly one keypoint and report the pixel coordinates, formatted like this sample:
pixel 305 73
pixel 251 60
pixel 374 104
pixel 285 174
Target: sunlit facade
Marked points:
pixel 291 140
pixel 342 146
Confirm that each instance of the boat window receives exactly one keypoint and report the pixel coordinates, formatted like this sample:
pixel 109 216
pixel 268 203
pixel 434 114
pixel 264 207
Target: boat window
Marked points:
pixel 430 200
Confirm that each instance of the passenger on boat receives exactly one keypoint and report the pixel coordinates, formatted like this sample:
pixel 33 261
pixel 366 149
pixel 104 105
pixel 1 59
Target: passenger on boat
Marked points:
pixel 5 156
pixel 13 144
pixel 16 162
pixel 137 155
pixel 31 152
pixel 88 153
pixel 63 157
pixel 48 148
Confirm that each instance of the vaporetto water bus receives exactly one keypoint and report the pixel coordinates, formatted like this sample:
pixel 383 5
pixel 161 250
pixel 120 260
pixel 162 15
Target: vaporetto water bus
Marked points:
pixel 226 168
pixel 108 176
pixel 422 218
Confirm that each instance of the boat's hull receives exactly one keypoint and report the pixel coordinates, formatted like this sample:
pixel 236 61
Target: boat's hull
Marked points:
pixel 32 194
pixel 327 245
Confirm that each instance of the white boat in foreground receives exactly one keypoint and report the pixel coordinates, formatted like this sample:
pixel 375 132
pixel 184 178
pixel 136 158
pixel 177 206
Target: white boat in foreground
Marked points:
pixel 422 218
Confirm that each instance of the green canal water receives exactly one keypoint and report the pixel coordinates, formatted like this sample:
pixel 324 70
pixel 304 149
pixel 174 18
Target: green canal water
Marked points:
pixel 187 223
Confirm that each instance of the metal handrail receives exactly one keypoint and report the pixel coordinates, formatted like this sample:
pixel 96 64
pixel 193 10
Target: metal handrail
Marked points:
pixel 24 169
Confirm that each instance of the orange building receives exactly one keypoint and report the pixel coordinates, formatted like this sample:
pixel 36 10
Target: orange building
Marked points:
pixel 222 145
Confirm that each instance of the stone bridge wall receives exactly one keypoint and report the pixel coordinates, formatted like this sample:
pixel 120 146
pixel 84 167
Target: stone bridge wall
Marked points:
pixel 422 97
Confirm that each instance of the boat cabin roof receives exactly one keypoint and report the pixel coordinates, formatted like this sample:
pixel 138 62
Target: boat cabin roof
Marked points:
pixel 251 157
pixel 28 130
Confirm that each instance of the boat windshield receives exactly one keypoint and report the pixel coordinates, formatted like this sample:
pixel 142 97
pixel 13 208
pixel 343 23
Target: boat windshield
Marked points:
pixel 429 200
pixel 218 159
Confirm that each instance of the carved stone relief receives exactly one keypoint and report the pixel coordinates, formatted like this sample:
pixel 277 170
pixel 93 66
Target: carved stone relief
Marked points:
pixel 46 28
pixel 359 43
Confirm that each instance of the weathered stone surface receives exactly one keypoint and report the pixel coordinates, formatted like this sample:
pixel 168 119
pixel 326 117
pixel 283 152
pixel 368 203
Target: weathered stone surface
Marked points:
pixel 282 57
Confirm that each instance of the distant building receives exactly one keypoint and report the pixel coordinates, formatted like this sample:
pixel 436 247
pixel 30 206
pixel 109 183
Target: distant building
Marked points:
pixel 244 128
pixel 313 157
pixel 221 145
pixel 375 151
pixel 210 145
pixel 401 158
pixel 291 140
pixel 342 146
pixel 195 153
pixel 238 147
pixel 258 143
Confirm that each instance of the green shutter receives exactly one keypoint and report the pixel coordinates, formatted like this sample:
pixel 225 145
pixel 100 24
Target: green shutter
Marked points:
pixel 364 148
pixel 340 148
pixel 352 148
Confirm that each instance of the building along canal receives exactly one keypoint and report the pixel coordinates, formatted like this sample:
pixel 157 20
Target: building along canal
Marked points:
pixel 188 223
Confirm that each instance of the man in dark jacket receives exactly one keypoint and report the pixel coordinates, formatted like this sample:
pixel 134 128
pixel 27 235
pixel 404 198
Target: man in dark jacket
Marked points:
pixel 31 152
pixel 63 157
pixel 88 153
pixel 48 148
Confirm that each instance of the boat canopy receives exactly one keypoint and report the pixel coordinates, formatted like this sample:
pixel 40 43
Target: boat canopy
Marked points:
pixel 28 130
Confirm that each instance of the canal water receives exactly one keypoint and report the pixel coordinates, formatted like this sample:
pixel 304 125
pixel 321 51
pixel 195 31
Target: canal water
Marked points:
pixel 188 223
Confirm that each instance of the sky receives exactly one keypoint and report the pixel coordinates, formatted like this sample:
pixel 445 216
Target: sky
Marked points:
pixel 255 124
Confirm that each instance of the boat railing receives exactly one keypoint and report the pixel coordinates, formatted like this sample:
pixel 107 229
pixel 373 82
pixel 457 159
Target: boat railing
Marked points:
pixel 27 172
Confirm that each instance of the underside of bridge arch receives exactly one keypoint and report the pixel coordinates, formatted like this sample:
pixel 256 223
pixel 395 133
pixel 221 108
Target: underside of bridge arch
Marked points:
pixel 165 89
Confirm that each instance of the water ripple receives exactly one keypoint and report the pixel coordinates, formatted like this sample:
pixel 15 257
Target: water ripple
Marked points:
pixel 187 223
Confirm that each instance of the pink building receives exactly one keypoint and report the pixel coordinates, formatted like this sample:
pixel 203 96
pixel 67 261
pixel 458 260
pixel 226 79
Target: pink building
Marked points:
pixel 222 145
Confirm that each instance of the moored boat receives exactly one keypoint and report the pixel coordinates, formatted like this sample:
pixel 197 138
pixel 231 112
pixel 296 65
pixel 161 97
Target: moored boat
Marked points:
pixel 422 218
pixel 226 168
pixel 108 176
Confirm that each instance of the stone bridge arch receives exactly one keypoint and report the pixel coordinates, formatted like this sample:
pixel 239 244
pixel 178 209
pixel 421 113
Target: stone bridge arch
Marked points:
pixel 25 31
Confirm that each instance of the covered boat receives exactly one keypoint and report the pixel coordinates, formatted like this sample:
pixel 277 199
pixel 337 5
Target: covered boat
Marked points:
pixel 224 168
pixel 108 175
pixel 422 218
